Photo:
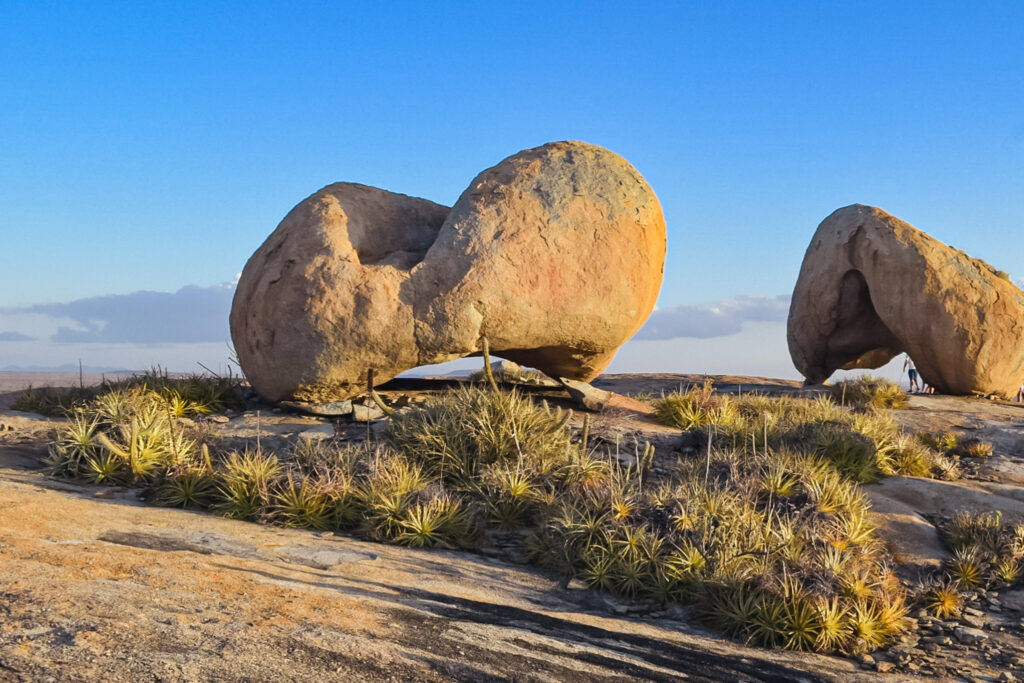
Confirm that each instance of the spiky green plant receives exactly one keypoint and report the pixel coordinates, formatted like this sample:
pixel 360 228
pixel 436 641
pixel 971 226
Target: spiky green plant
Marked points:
pixel 835 630
pixel 142 444
pixel 75 442
pixel 300 503
pixel 852 454
pixel 969 530
pixel 979 449
pixel 105 468
pixel 868 626
pixel 870 393
pixel 190 488
pixel 599 565
pixel 801 621
pixel 944 601
pixel 733 608
pixel 585 469
pixel 965 568
pixel 50 401
pixel 470 428
pixel 438 522
pixel 683 410
pixel 1009 570
pixel 780 483
pixel 245 483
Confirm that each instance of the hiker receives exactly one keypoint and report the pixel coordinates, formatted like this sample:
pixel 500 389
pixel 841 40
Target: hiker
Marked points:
pixel 911 370
pixel 1020 394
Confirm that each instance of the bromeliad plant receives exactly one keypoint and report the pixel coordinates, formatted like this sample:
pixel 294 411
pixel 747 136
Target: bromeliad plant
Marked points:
pixel 765 532
pixel 854 434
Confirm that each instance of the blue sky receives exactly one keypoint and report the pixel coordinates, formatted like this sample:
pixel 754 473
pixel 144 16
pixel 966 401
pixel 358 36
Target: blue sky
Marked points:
pixel 153 146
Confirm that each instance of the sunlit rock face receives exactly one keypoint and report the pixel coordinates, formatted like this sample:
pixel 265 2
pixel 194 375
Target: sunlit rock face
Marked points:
pixel 872 286
pixel 555 255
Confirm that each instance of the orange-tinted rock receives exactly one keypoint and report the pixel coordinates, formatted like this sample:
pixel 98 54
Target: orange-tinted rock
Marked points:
pixel 872 286
pixel 555 255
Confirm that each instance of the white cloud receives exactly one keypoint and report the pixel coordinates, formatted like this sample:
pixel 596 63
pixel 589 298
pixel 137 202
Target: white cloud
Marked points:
pixel 758 349
pixel 717 319
pixel 191 315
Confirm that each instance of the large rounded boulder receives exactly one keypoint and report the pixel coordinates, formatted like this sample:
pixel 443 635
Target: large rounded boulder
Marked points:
pixel 872 286
pixel 555 255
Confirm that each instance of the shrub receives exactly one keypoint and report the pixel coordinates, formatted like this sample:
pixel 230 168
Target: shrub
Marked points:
pixel 765 531
pixel 51 401
pixel 870 393
pixel 184 395
pixel 470 428
pixel 245 483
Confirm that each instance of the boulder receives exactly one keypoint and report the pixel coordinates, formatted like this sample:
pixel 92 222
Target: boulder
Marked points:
pixel 555 255
pixel 872 286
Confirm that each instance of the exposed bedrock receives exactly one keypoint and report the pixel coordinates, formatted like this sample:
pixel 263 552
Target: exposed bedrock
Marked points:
pixel 872 286
pixel 555 255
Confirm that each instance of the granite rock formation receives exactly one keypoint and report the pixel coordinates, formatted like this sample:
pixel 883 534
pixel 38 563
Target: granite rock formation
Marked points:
pixel 872 286
pixel 555 255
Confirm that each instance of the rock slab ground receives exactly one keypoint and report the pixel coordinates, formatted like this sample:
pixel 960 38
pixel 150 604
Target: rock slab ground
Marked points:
pixel 96 586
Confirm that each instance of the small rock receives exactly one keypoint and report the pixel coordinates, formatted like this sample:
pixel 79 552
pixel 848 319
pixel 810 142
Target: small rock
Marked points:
pixel 1006 676
pixel 221 419
pixel 331 409
pixel 973 612
pixel 1013 600
pixel 318 433
pixel 576 585
pixel 867 662
pixel 615 607
pixel 585 395
pixel 104 494
pixel 969 635
pixel 884 667
pixel 938 640
pixel 361 413
pixel 678 612
pixel 973 620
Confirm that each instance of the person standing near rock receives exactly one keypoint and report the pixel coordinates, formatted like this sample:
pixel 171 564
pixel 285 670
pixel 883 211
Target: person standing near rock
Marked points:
pixel 911 370
pixel 1020 394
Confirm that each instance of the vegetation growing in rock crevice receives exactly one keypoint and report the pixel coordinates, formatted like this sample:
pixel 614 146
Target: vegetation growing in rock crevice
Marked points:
pixel 857 436
pixel 764 529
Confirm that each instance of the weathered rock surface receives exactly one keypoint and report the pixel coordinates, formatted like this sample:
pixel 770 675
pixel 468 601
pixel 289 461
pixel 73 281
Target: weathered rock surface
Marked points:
pixel 872 286
pixel 555 255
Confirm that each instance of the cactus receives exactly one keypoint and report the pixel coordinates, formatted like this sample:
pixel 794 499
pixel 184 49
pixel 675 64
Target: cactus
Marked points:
pixel 385 408
pixel 585 437
pixel 488 372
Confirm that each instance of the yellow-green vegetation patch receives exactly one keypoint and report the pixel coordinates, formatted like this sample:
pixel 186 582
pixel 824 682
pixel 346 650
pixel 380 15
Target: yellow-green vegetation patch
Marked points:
pixel 765 531
pixel 870 392
pixel 185 395
pixel 986 552
pixel 860 439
